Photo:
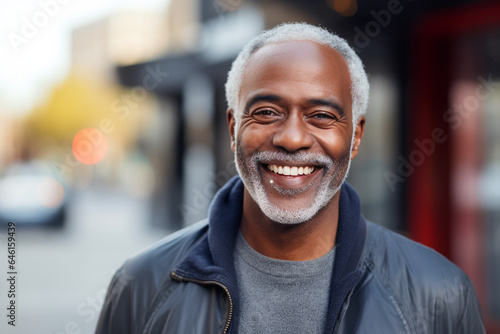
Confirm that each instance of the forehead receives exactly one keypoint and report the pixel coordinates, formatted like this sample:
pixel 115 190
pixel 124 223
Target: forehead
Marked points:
pixel 305 68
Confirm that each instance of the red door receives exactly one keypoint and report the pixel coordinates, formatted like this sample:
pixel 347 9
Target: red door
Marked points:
pixel 454 191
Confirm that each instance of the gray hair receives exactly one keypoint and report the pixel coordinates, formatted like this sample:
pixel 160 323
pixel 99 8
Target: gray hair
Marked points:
pixel 297 32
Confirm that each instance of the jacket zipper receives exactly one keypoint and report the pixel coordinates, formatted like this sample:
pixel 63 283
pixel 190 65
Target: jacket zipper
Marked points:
pixel 343 311
pixel 180 278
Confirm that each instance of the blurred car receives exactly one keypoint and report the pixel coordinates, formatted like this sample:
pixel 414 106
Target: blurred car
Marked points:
pixel 30 195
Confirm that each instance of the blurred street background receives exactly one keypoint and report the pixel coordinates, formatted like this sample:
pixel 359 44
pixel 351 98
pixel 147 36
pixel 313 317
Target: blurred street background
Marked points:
pixel 113 133
pixel 63 274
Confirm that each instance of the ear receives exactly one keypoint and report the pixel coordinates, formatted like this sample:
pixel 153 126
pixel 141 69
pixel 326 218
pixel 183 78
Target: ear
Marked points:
pixel 358 136
pixel 231 122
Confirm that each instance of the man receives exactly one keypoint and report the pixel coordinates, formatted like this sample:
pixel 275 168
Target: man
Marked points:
pixel 285 248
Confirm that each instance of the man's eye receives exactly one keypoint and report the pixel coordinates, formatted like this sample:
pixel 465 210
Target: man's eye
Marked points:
pixel 265 112
pixel 324 116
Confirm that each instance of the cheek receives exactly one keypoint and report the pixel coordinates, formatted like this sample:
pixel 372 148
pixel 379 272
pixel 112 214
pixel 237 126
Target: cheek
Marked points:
pixel 252 138
pixel 336 145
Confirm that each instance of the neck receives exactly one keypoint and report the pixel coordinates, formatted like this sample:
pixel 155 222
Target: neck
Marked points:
pixel 298 242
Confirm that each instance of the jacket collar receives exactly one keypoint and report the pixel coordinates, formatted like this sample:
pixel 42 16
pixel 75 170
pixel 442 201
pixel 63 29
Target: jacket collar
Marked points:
pixel 212 258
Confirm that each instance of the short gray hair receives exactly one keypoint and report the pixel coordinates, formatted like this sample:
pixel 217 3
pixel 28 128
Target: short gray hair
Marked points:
pixel 297 32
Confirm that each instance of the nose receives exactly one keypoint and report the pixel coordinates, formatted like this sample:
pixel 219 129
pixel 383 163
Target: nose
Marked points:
pixel 293 134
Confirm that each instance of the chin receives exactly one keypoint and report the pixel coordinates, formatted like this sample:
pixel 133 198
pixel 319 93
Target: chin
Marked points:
pixel 291 206
pixel 296 212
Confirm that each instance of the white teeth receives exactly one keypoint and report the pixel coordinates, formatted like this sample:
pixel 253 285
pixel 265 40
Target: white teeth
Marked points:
pixel 290 170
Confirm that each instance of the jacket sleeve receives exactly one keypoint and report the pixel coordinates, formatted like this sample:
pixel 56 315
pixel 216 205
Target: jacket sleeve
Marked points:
pixel 472 318
pixel 117 314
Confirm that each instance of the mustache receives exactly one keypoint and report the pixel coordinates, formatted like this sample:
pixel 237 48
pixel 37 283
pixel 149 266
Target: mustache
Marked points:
pixel 305 157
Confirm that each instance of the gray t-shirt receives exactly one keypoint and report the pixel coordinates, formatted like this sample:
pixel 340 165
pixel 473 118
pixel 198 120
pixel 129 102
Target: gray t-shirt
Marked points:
pixel 279 296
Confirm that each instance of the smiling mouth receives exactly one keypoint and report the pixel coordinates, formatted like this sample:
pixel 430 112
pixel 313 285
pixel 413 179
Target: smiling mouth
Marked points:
pixel 291 170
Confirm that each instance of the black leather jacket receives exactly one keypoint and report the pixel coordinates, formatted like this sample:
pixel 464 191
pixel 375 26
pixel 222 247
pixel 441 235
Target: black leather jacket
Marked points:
pixel 381 281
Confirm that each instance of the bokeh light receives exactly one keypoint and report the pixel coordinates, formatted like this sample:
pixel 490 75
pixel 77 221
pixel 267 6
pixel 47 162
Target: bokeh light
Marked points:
pixel 344 7
pixel 90 146
pixel 50 192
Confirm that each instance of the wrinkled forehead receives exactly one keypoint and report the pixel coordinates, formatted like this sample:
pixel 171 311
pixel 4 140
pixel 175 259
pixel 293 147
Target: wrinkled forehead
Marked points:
pixel 281 64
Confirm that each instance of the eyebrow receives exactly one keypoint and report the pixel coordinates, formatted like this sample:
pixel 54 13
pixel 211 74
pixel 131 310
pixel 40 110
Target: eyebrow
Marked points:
pixel 261 98
pixel 328 103
pixel 275 98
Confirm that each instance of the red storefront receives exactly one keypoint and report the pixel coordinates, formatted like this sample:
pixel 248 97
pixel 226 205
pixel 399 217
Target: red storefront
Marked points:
pixel 453 197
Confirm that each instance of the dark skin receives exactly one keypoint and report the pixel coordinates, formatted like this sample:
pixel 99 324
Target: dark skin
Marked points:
pixel 296 96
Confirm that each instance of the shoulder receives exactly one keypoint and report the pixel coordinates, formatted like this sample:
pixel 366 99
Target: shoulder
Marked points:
pixel 155 263
pixel 137 284
pixel 396 256
pixel 147 272
pixel 426 286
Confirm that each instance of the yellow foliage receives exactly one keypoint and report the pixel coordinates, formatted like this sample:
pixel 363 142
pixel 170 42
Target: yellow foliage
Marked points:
pixel 80 103
pixel 75 104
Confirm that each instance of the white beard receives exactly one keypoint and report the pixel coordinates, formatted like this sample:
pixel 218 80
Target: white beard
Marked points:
pixel 334 175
